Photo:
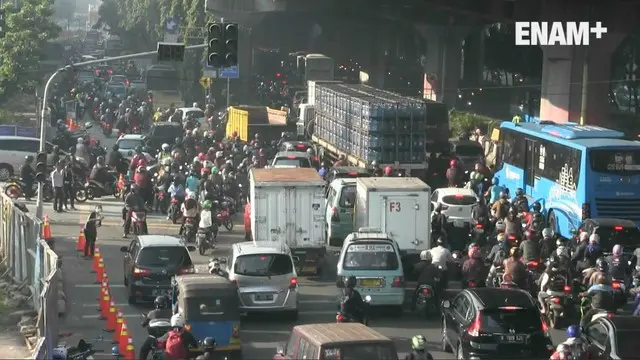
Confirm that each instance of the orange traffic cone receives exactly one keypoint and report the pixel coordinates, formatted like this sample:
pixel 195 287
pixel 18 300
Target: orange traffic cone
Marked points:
pixel 104 286
pixel 111 318
pixel 130 352
pixel 46 229
pixel 100 274
pixel 119 322
pixel 124 335
pixel 96 260
pixel 81 241
pixel 104 306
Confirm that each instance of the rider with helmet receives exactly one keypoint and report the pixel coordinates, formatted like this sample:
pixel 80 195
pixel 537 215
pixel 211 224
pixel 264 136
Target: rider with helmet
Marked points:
pixel 520 202
pixel 388 171
pixel 82 152
pixel 575 344
pixel 99 175
pixel 419 349
pixel 162 310
pixel 207 222
pixel 438 221
pixel 427 273
pixel 187 341
pixel 536 219
pixel 28 176
pixel 453 174
pixel 594 250
pixel 494 190
pixel 591 274
pixel 546 243
pixel 515 268
pixel 602 298
pixel 441 257
pixel 552 282
pixel 500 208
pixel 189 210
pixel 352 305
pixel 529 247
pixel 209 345
pixel 473 269
pixel 165 152
pixel 132 202
pixel 513 225
pixel 137 158
pixel 619 268
pixel 496 256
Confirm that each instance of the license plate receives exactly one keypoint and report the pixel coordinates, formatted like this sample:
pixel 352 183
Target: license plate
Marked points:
pixel 370 283
pixel 512 339
pixel 160 292
pixel 264 297
pixel 458 223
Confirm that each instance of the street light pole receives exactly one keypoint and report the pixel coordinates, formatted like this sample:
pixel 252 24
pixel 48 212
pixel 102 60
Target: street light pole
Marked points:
pixel 39 201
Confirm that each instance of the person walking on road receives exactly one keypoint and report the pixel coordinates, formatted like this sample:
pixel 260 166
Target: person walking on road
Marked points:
pixel 91 231
pixel 69 191
pixel 57 180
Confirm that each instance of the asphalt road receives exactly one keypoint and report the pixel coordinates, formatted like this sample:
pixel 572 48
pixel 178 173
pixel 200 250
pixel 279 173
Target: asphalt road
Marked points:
pixel 260 335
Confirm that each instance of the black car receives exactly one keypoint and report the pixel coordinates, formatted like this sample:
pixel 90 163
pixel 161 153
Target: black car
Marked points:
pixel 150 261
pixel 612 337
pixel 613 231
pixel 341 172
pixel 490 323
pixel 163 133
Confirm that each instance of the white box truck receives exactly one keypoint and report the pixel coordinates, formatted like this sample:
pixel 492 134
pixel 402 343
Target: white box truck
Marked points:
pixel 287 207
pixel 399 207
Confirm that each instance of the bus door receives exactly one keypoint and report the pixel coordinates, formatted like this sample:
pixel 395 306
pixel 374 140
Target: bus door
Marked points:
pixel 530 166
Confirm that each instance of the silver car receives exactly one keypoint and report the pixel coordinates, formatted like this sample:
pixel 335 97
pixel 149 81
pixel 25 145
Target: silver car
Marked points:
pixel 266 277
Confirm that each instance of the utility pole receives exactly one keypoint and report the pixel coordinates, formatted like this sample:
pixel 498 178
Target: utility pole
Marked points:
pixel 43 131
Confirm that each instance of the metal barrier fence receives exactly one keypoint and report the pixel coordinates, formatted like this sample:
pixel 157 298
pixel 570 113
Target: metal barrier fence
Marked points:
pixel 29 261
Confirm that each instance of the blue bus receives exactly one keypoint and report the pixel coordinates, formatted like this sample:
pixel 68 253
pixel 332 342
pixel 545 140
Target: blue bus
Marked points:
pixel 575 171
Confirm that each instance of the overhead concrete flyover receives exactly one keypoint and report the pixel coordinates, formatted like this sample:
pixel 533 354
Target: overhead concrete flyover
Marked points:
pixel 444 25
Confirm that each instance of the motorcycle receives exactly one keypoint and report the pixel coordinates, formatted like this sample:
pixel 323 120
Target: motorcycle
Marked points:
pixel 558 303
pixel 497 279
pixel 174 209
pixel 161 199
pixel 456 269
pixel 139 222
pixel 92 190
pixel 188 232
pixel 535 270
pixel 156 329
pixel 224 216
pixel 15 189
pixel 206 239
pixel 107 129
pixel 342 317
pixel 619 293
pixel 425 299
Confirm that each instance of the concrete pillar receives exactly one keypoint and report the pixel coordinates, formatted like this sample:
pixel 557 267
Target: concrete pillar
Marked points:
pixel 379 49
pixel 473 58
pixel 563 81
pixel 443 60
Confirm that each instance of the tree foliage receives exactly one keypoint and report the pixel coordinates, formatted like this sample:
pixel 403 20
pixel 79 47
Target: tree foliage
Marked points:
pixel 501 53
pixel 28 29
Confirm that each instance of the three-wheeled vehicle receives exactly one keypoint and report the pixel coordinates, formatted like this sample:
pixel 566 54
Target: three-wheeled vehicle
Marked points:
pixel 209 304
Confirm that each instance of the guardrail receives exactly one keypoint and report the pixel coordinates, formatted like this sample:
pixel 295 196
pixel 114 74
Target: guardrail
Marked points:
pixel 29 261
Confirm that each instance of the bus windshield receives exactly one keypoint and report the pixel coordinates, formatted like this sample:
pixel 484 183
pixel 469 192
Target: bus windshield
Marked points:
pixel 162 79
pixel 615 161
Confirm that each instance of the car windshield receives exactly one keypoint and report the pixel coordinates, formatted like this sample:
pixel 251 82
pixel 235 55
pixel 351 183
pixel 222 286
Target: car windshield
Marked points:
pixel 195 114
pixel 628 237
pixel 507 319
pixel 625 341
pixel 263 265
pixel 127 144
pixel 359 351
pixel 459 200
pixel 166 132
pixel 118 79
pixel 348 197
pixel 370 255
pixel 117 89
pixel 295 162
pixel 469 150
pixel 164 255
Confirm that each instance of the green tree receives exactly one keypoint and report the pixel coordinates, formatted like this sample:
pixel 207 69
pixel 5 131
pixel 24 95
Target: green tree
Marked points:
pixel 28 29
pixel 502 55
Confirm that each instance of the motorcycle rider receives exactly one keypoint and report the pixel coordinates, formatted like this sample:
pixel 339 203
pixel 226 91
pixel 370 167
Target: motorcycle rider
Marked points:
pixel 580 252
pixel 619 268
pixel 191 184
pixel 27 176
pixel 575 343
pixel 529 248
pixel 453 174
pixel 137 158
pixel 108 117
pixel 209 345
pixel 426 273
pixel 418 349
pixel 513 225
pixel 352 303
pixel 165 152
pixel 546 243
pixel 594 250
pixel 473 269
pixel 116 160
pixel 143 180
pixel 550 288
pixel 207 221
pixel 590 275
pixel 438 221
pixel 441 257
pixel 132 202
pixel 189 210
pixel 494 190
pixel 162 310
pixel 99 175
pixel 602 298
pixel 82 152
pixel 500 208
pixel 536 219
pixel 188 341
pixel 375 168
pixel 496 256
pixel 515 268
pixel 520 202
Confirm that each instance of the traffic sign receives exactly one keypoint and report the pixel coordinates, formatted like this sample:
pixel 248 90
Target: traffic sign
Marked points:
pixel 208 71
pixel 205 82
pixel 232 72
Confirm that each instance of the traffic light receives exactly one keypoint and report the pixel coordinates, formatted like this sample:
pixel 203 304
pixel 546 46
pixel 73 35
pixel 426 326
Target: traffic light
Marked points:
pixel 41 167
pixel 2 23
pixel 170 51
pixel 230 44
pixel 215 40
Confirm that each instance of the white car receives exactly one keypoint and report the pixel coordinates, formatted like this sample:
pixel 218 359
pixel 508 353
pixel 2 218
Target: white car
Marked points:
pixel 291 159
pixel 456 204
pixel 195 112
pixel 127 145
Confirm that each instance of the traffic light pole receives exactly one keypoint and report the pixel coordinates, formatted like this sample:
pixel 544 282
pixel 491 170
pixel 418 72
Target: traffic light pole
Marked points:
pixel 45 97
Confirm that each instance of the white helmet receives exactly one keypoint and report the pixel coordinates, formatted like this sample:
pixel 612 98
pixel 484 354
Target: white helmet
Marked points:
pixel 500 227
pixel 219 154
pixel 165 147
pixel 547 233
pixel 195 104
pixel 584 236
pixel 80 141
pixel 425 255
pixel 177 321
pixel 594 238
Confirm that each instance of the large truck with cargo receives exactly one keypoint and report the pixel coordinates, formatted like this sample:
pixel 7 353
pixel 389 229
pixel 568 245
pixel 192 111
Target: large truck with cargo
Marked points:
pixel 365 124
pixel 249 120
pixel 287 207
pixel 399 207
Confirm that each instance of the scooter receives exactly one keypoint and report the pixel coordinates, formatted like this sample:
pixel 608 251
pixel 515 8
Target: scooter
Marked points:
pixel 224 216
pixel 156 329
pixel 558 304
pixel 139 222
pixel 188 232
pixel 173 213
pixel 107 129
pixel 206 239
pixel 342 317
